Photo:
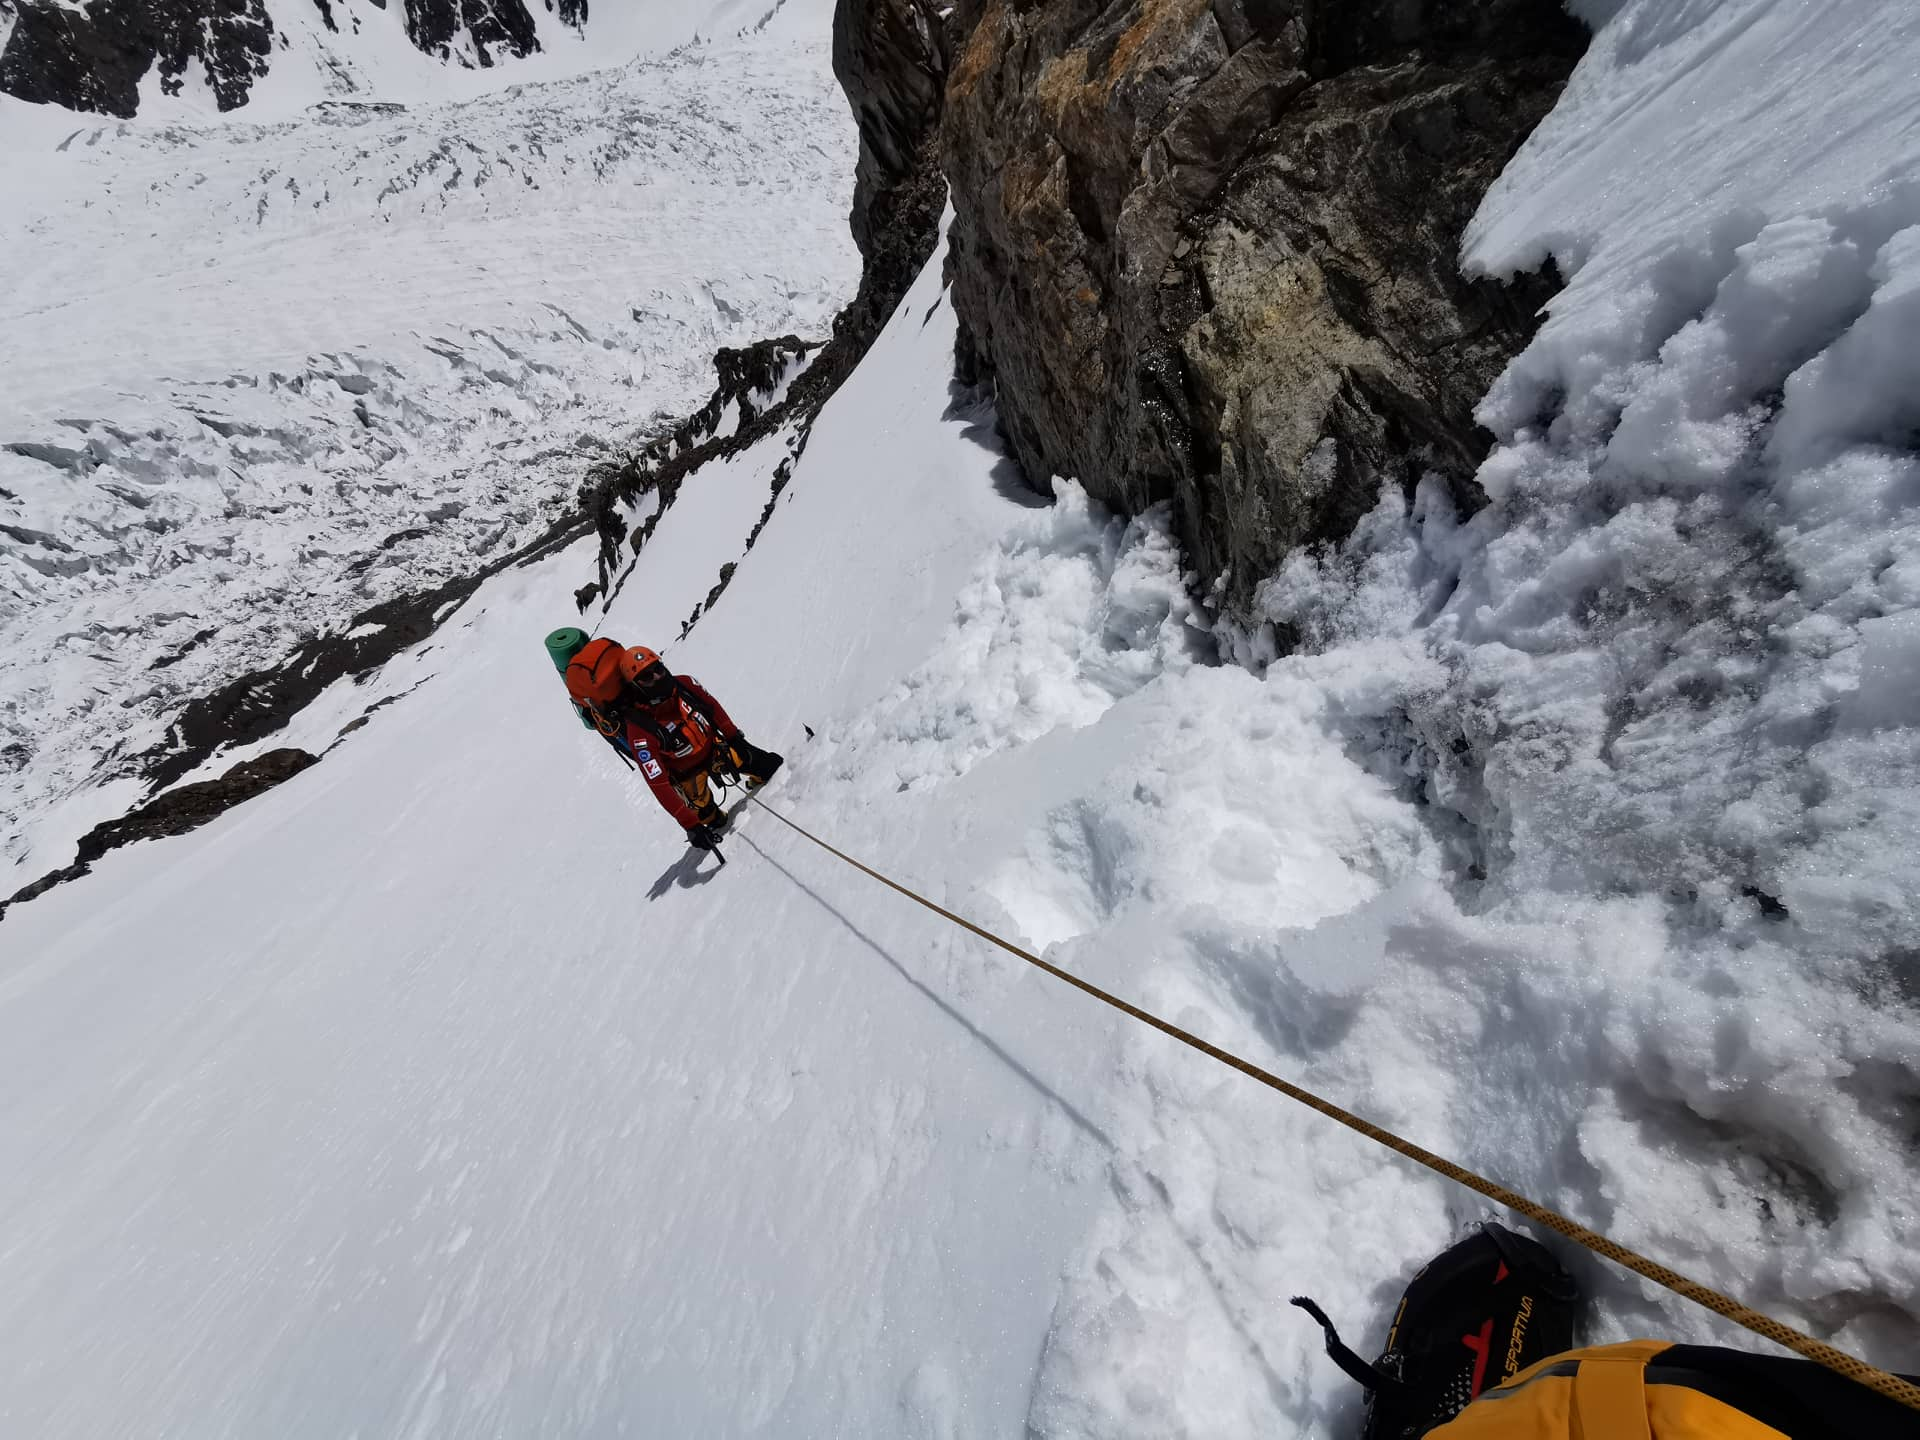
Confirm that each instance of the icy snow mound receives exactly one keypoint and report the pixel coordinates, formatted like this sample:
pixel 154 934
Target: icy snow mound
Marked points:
pixel 1658 699
pixel 1073 611
pixel 1703 589
pixel 1677 635
pixel 263 376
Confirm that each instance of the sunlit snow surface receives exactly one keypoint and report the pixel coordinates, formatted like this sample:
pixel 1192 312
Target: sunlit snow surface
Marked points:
pixel 438 1093
pixel 240 358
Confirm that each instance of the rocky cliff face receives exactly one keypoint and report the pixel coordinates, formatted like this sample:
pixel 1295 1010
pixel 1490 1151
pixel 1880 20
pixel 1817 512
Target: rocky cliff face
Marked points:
pixel 94 58
pixel 890 56
pixel 1207 250
pixel 493 26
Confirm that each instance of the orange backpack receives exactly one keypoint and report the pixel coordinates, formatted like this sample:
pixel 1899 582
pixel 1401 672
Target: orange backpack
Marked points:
pixel 593 675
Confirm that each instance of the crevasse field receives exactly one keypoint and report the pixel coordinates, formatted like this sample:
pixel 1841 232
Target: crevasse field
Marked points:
pixel 264 373
pixel 440 1092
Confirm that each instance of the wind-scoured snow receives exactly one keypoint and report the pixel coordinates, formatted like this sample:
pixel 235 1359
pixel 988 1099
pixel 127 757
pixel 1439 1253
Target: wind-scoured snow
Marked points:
pixel 442 1091
pixel 262 376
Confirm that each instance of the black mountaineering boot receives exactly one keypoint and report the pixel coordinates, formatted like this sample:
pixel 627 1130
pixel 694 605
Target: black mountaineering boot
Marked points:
pixel 760 766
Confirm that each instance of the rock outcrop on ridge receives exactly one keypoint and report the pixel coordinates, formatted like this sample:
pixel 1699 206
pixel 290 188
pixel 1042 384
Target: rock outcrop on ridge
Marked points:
pixel 492 27
pixel 1207 250
pixel 890 57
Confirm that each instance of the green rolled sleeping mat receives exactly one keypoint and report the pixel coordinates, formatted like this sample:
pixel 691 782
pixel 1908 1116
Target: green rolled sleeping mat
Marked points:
pixel 562 645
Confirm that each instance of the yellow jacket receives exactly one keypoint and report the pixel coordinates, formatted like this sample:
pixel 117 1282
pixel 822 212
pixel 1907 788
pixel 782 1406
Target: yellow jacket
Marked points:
pixel 1654 1390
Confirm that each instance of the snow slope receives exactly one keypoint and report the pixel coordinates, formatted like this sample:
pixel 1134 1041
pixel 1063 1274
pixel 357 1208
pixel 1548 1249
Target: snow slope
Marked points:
pixel 459 1097
pixel 439 1092
pixel 263 376
pixel 598 1167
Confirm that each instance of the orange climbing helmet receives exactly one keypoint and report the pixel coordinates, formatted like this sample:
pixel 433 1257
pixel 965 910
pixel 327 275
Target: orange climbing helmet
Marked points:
pixel 645 673
pixel 635 661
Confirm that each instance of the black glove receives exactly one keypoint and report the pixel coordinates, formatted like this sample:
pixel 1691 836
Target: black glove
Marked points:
pixel 702 837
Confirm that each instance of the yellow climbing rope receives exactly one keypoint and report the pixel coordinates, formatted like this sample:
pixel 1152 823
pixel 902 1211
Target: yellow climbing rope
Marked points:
pixel 1889 1385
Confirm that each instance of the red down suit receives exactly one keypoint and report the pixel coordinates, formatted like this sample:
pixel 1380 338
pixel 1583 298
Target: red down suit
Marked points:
pixel 673 741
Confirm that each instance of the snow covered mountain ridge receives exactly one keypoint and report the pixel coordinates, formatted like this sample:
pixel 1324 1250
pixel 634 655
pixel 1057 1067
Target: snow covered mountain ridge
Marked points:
pixel 127 57
pixel 1566 823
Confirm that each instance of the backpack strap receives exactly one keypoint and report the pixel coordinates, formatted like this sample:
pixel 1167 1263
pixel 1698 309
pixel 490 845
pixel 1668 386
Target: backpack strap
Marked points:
pixel 641 721
pixel 607 728
pixel 692 702
pixel 1358 1370
pixel 686 698
pixel 1610 1390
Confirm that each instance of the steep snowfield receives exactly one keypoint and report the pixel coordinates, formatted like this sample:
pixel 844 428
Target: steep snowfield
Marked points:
pixel 486 1113
pixel 441 1092
pixel 262 376
pixel 459 1097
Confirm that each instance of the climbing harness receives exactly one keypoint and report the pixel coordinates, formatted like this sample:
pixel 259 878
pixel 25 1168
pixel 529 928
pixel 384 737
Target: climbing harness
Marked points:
pixel 1892 1386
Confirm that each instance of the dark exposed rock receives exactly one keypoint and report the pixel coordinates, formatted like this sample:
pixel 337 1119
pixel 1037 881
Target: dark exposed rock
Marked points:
pixel 94 59
pixel 45 883
pixel 748 377
pixel 191 806
pixel 437 26
pixel 1208 252
pixel 782 473
pixel 745 378
pixel 890 57
pixel 200 638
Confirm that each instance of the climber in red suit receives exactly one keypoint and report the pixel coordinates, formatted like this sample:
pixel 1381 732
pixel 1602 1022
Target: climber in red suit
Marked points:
pixel 670 727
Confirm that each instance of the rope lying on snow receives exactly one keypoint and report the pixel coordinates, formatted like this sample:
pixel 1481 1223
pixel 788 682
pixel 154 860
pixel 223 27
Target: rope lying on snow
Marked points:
pixel 1891 1386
